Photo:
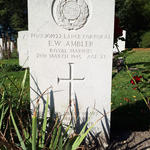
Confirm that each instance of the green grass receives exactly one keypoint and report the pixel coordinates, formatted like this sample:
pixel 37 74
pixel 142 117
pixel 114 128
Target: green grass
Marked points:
pixel 122 89
pixel 136 57
pixel 11 76
pixel 128 108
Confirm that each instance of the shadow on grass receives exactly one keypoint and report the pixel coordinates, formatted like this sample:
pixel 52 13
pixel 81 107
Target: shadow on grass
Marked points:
pixel 133 117
pixel 125 122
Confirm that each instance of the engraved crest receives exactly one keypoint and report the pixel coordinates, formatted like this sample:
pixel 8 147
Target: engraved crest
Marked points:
pixel 70 14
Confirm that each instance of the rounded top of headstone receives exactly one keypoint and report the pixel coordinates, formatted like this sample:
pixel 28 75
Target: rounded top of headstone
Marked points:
pixel 70 14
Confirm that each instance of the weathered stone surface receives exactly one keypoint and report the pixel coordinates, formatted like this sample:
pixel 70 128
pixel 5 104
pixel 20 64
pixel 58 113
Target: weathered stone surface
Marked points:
pixel 22 46
pixel 74 59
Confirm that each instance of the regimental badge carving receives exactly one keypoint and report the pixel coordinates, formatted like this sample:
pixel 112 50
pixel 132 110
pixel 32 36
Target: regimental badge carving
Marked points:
pixel 70 14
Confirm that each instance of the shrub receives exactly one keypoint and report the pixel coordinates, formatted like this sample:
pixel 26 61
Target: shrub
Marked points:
pixel 145 40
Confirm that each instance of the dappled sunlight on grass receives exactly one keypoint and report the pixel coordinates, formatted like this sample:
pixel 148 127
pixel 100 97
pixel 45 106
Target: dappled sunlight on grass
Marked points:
pixel 129 111
pixel 121 86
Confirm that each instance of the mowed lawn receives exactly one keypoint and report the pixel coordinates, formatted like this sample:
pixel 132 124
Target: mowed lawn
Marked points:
pixel 122 90
pixel 128 108
pixel 11 78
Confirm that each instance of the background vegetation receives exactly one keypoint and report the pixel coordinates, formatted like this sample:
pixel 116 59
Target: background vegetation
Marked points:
pixel 145 40
pixel 134 17
pixel 13 14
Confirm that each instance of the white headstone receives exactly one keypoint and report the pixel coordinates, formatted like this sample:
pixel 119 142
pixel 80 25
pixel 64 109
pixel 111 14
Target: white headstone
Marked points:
pixel 121 43
pixel 1 42
pixel 71 50
pixel 11 46
pixel 22 45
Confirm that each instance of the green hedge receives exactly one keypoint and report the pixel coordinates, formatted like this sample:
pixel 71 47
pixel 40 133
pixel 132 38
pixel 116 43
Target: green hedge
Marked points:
pixel 145 40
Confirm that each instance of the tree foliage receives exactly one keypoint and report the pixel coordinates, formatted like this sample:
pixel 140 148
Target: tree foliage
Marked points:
pixel 145 42
pixel 134 18
pixel 13 14
pixel 13 18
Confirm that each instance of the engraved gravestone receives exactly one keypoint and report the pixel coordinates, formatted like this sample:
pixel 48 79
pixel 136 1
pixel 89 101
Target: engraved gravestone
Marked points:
pixel 70 14
pixel 71 51
pixel 22 46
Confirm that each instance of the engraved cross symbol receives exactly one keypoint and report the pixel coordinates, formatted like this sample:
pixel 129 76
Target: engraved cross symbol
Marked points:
pixel 70 80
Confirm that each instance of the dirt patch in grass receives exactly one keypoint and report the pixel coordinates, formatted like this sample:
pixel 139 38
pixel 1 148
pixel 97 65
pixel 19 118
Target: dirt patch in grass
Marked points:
pixel 141 49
